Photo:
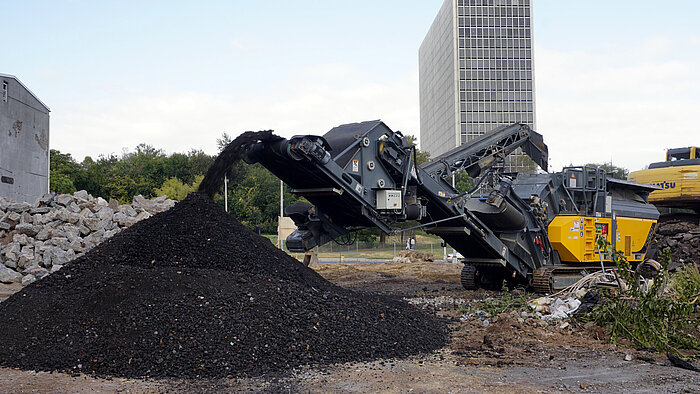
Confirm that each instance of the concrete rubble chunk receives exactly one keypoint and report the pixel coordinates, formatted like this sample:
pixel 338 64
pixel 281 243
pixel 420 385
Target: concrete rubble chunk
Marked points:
pixel 143 215
pixel 19 207
pixel 44 234
pixel 105 213
pixel 11 260
pixel 81 194
pixel 27 229
pixel 46 199
pixel 22 239
pixel 64 199
pixel 86 213
pixel 75 208
pixel 128 210
pixel 26 218
pixel 37 271
pixel 40 238
pixel 93 224
pixel 67 216
pixel 28 279
pixel 124 220
pixel 42 210
pixel 13 217
pixel 8 275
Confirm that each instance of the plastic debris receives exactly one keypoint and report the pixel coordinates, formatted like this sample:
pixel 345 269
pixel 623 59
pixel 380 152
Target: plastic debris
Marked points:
pixel 558 308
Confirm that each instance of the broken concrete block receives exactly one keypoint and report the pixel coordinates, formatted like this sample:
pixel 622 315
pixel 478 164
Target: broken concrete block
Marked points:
pixel 63 199
pixel 8 275
pixel 28 279
pixel 27 229
pixel 81 194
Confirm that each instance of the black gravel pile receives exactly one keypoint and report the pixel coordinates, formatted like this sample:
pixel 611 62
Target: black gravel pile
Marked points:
pixel 214 178
pixel 191 292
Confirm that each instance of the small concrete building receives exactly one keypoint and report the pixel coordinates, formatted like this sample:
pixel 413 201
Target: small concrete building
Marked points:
pixel 24 142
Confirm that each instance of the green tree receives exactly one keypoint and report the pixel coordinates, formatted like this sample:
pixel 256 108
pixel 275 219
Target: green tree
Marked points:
pixel 94 175
pixel 421 156
pixel 463 182
pixel 222 142
pixel 524 164
pixel 63 171
pixel 613 171
pixel 139 172
pixel 175 189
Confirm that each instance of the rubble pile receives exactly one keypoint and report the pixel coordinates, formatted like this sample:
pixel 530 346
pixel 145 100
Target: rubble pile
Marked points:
pixel 191 292
pixel 683 239
pixel 38 239
pixel 412 256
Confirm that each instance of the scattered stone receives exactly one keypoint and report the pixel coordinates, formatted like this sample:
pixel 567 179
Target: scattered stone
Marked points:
pixel 682 237
pixel 8 275
pixel 59 228
pixel 584 385
pixel 28 279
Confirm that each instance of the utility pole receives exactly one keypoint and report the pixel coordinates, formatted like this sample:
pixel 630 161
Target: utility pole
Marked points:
pixel 281 198
pixel 226 193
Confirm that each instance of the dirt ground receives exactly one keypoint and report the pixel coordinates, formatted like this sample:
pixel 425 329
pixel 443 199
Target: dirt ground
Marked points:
pixel 512 353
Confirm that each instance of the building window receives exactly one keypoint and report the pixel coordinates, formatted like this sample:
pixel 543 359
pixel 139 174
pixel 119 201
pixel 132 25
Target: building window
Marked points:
pixel 4 91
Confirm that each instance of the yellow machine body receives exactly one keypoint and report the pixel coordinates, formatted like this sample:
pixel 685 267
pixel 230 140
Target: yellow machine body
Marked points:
pixel 679 180
pixel 574 237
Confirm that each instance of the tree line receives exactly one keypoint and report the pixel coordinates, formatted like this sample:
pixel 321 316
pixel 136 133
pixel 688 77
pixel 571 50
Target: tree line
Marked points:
pixel 253 193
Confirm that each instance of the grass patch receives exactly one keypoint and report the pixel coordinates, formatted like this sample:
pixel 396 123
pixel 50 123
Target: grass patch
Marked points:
pixel 656 319
pixel 504 302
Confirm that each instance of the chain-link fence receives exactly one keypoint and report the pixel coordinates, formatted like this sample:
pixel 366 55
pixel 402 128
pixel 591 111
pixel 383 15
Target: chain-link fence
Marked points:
pixel 376 252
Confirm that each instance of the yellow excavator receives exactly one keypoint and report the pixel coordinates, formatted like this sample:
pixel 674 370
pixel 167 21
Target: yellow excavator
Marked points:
pixel 679 180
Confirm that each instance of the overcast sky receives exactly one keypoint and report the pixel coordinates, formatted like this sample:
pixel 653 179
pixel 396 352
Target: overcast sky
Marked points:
pixel 615 80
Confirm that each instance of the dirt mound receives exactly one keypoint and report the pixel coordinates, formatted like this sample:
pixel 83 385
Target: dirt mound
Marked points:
pixel 191 292
pixel 683 239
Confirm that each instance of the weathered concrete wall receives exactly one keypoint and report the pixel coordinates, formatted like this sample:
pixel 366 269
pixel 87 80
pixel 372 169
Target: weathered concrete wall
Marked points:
pixel 24 144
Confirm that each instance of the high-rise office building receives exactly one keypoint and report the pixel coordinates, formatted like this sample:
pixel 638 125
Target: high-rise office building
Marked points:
pixel 476 73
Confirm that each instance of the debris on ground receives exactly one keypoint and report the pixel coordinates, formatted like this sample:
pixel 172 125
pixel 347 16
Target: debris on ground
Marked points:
pixel 589 301
pixel 682 237
pixel 412 256
pixel 38 239
pixel 555 308
pixel 680 363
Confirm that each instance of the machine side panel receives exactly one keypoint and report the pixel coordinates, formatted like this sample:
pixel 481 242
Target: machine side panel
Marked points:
pixel 573 237
pixel 632 237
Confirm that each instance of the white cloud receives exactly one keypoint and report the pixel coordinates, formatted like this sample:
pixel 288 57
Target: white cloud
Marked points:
pixel 616 105
pixel 190 119
pixel 241 44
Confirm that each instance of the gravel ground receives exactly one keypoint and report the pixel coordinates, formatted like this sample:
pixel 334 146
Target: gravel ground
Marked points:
pixel 533 358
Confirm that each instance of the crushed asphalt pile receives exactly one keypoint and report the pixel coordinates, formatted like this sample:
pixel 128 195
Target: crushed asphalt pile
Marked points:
pixel 191 292
pixel 682 238
pixel 214 178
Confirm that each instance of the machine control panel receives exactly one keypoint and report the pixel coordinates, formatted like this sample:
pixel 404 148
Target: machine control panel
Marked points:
pixel 388 199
